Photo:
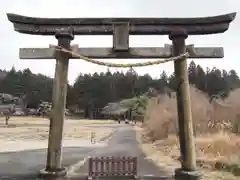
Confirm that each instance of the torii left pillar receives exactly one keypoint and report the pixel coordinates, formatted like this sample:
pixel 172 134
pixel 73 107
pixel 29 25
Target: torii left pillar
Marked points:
pixel 54 153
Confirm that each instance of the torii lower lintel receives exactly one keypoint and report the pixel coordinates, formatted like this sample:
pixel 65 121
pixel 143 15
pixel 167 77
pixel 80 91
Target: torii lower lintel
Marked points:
pixel 133 53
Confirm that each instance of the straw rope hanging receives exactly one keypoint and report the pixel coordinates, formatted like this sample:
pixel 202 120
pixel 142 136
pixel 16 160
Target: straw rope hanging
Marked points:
pixel 117 65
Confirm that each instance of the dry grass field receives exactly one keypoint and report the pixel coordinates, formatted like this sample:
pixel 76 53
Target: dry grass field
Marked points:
pixel 32 132
pixel 217 131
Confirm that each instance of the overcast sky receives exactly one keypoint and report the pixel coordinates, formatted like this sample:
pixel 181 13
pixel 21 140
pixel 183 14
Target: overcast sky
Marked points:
pixel 11 41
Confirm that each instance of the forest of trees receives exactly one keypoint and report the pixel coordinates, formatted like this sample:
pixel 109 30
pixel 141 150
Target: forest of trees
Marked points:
pixel 96 90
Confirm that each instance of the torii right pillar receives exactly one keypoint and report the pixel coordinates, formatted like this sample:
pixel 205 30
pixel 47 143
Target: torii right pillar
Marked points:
pixel 188 170
pixel 185 124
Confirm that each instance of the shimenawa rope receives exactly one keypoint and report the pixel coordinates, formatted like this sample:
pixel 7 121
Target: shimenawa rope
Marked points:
pixel 127 65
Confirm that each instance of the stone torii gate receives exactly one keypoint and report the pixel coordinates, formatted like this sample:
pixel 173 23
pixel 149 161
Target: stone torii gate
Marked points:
pixel 177 29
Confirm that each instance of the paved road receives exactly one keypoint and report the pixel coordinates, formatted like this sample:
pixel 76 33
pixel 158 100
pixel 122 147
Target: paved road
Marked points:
pixel 12 163
pixel 14 166
pixel 124 143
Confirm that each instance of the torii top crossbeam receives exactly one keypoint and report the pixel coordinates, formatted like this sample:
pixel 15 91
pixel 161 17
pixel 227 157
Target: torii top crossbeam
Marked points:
pixel 136 26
